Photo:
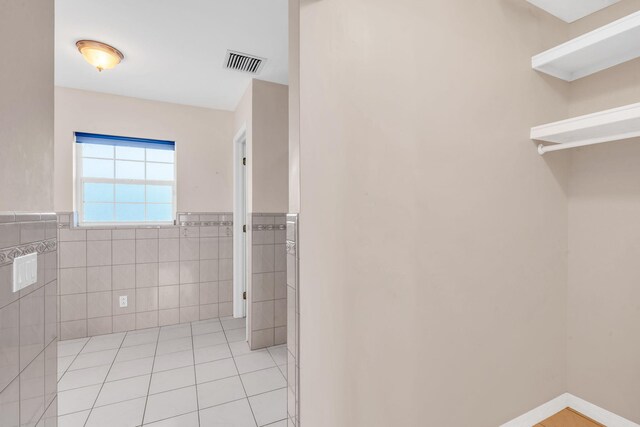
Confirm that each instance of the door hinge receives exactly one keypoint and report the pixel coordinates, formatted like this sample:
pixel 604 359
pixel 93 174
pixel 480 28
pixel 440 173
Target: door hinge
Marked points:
pixel 244 161
pixel 244 295
pixel 244 228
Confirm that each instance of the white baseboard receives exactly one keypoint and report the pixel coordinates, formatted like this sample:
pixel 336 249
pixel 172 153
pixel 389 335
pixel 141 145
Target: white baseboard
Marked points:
pixel 556 405
pixel 599 414
pixel 540 413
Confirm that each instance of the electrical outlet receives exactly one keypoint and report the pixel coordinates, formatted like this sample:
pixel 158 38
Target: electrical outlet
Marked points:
pixel 123 301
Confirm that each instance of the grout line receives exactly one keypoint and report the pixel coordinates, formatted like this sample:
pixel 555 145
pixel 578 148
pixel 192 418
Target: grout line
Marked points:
pixel 124 400
pixel 262 350
pixel 275 422
pixel 195 378
pixel 213 406
pixel 181 388
pixel 89 367
pixel 239 377
pixel 105 379
pixel 44 413
pixel 96 336
pixel 278 366
pixel 170 418
pixel 74 359
pixel 20 369
pixel 157 310
pixel 104 382
pixel 113 315
pixel 218 277
pixel 244 398
pixel 266 392
pixel 146 401
pixel 180 271
pixel 86 294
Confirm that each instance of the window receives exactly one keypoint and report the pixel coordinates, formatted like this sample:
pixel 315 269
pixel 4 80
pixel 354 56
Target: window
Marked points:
pixel 124 180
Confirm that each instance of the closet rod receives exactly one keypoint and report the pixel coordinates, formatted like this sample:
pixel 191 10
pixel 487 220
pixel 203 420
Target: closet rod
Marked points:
pixel 566 145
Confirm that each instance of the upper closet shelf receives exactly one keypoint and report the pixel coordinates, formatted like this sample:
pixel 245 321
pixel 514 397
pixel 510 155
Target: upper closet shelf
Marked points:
pixel 598 50
pixel 572 10
pixel 605 126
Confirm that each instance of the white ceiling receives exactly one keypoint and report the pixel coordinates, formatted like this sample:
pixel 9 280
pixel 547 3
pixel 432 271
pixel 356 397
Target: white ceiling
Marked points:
pixel 174 49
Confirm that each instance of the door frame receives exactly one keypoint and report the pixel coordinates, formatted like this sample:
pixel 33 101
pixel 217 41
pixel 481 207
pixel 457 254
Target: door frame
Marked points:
pixel 240 244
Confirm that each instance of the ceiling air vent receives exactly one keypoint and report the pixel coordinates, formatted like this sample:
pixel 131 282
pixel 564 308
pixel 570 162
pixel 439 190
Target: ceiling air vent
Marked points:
pixel 243 62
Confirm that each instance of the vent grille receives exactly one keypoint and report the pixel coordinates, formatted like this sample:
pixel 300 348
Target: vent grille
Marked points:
pixel 243 62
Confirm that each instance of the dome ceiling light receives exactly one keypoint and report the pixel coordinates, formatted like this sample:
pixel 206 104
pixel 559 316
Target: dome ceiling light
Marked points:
pixel 100 55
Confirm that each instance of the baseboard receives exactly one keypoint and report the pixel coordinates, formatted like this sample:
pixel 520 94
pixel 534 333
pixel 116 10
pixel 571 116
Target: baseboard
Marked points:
pixel 540 413
pixel 556 405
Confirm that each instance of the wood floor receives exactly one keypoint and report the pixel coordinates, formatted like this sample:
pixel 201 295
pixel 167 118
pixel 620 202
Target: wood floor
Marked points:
pixel 569 418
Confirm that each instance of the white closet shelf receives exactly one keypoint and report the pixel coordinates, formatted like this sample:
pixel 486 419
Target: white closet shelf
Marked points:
pixel 572 10
pixel 598 50
pixel 604 126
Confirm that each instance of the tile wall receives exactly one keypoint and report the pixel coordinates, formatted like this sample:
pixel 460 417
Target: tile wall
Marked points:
pixel 28 333
pixel 293 321
pixel 268 295
pixel 169 274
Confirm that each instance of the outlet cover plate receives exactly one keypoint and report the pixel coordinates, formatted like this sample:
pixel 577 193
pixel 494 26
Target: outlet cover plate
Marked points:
pixel 25 271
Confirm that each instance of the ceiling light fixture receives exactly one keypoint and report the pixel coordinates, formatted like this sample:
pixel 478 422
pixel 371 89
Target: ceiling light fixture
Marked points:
pixel 100 55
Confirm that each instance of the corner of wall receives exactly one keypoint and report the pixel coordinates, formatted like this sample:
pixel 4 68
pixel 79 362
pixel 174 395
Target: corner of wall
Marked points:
pixel 26 122
pixel 602 351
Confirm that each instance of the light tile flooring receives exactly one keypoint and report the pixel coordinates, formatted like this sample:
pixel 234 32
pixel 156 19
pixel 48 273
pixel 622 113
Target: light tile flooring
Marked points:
pixel 197 374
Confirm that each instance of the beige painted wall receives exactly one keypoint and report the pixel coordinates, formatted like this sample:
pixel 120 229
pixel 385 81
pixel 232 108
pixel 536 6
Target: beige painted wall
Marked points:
pixel 264 111
pixel 433 262
pixel 26 105
pixel 604 244
pixel 204 143
pixel 270 149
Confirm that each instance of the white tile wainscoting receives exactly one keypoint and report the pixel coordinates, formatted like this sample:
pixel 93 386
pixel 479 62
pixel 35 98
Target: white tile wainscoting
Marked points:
pixel 28 339
pixel 169 274
pixel 268 288
pixel 194 374
pixel 293 320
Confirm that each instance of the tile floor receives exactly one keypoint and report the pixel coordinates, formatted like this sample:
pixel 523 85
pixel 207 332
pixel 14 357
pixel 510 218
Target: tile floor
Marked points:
pixel 195 374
